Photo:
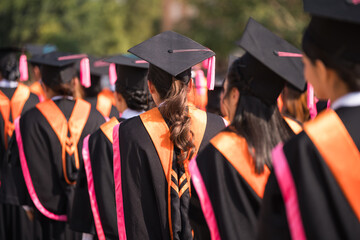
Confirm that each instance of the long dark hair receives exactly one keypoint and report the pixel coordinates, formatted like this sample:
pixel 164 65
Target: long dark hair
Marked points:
pixel 259 123
pixel 174 109
pixel 334 58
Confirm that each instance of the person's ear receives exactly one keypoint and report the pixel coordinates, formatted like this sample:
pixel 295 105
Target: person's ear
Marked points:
pixel 151 87
pixel 118 97
pixel 235 95
pixel 77 88
pixel 190 85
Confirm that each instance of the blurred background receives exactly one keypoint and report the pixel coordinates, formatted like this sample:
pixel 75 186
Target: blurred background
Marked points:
pixel 108 27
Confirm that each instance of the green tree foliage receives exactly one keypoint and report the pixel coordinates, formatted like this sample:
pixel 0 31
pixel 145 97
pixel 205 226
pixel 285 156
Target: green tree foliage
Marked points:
pixel 98 27
pixel 218 24
pixel 103 27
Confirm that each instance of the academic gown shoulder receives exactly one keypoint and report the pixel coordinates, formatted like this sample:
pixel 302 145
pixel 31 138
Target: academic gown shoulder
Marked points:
pixel 43 155
pixel 101 160
pixel 93 101
pixel 14 224
pixel 144 185
pixel 325 212
pixel 235 204
pixel 30 103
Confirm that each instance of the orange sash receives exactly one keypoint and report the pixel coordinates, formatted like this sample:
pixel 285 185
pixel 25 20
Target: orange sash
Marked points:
pixel 340 153
pixel 159 133
pixel 104 104
pixel 295 126
pixel 234 148
pixel 15 106
pixel 107 92
pixel 107 128
pixel 60 126
pixel 37 89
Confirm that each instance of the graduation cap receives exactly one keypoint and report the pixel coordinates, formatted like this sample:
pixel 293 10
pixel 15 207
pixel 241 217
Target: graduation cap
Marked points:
pixel 54 68
pixel 175 54
pixel 59 67
pixel 10 68
pixel 35 49
pixel 131 71
pixel 98 69
pixel 344 10
pixel 269 63
pixel 334 28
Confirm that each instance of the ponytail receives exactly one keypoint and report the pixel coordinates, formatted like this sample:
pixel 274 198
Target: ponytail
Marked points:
pixel 175 109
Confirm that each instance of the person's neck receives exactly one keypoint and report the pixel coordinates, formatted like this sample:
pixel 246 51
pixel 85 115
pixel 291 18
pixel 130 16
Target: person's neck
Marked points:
pixel 338 94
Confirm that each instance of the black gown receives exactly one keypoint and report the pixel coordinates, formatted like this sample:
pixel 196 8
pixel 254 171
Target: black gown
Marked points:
pixel 44 160
pixel 93 101
pixel 101 160
pixel 144 185
pixel 324 209
pixel 228 194
pixel 14 224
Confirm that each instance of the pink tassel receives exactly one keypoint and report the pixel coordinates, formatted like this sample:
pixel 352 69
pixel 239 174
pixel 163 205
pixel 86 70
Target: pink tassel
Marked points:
pixel 328 104
pixel 205 63
pixel 23 68
pixel 112 73
pixel 85 78
pixel 200 82
pixel 355 2
pixel 211 73
pixel 311 101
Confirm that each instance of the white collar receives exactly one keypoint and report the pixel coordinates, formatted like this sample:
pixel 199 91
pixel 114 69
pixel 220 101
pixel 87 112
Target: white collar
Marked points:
pixel 348 100
pixel 62 97
pixel 129 113
pixel 4 83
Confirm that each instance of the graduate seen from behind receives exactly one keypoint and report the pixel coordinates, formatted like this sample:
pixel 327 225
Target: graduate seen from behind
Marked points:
pixel 94 211
pixel 101 99
pixel 230 175
pixel 314 190
pixel 45 158
pixel 15 100
pixel 152 151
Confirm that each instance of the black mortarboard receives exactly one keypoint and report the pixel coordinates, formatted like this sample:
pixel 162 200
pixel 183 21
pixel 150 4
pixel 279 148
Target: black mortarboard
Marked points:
pixel 35 49
pixel 56 67
pixel 270 61
pixel 334 28
pixel 131 71
pixel 343 10
pixel 97 66
pixel 173 53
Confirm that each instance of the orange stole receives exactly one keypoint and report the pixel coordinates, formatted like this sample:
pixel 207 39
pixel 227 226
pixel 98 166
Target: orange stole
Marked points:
pixel 340 153
pixel 296 127
pixel 60 126
pixel 15 106
pixel 37 89
pixel 104 102
pixel 234 148
pixel 159 133
pixel 107 128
